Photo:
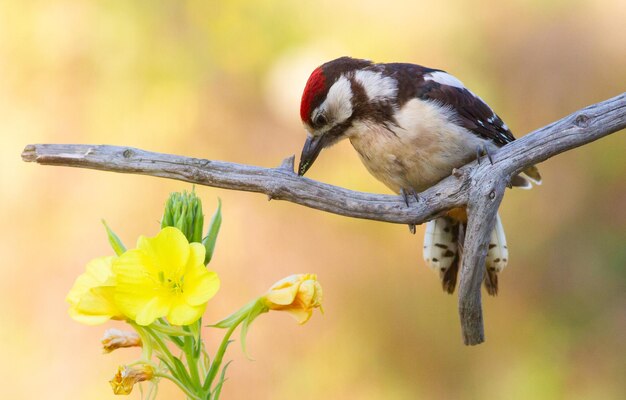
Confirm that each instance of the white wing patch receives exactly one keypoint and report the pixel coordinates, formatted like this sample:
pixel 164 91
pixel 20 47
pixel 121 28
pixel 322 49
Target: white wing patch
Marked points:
pixel 377 86
pixel 444 78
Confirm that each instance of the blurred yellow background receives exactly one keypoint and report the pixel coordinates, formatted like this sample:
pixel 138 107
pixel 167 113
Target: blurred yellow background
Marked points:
pixel 222 80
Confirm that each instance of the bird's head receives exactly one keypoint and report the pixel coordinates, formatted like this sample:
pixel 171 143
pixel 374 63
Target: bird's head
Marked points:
pixel 334 98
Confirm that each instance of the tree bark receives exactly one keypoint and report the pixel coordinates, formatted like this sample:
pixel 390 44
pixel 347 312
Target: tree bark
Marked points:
pixel 480 187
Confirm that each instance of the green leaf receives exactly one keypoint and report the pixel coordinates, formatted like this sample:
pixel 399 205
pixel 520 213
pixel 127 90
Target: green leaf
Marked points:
pixel 170 330
pixel 215 365
pixel 257 309
pixel 170 210
pixel 236 317
pixel 114 240
pixel 198 224
pixel 218 387
pixel 214 229
pixel 177 369
pixel 244 334
pixel 195 330
pixel 181 371
pixel 180 222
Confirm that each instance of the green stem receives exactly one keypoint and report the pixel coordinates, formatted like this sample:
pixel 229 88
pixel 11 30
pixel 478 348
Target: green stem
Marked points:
pixel 146 342
pixel 182 387
pixel 206 362
pixel 217 360
pixel 168 358
pixel 192 361
pixel 170 330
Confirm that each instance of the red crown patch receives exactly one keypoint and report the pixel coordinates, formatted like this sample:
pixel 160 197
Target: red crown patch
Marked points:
pixel 314 87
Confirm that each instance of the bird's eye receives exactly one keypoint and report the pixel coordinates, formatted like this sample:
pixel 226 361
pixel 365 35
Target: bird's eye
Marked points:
pixel 320 120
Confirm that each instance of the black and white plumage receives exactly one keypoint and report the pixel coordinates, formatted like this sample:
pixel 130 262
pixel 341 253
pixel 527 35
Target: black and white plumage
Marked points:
pixel 411 126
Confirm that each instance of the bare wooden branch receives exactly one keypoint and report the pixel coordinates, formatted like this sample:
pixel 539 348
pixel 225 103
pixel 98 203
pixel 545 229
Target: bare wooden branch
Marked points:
pixel 480 187
pixel 279 183
pixel 489 182
pixel 485 196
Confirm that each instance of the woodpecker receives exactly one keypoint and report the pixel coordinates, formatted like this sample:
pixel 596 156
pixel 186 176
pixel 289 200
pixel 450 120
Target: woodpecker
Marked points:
pixel 411 126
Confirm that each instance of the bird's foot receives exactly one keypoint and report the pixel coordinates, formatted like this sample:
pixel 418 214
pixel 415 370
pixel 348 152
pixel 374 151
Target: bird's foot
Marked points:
pixel 405 196
pixel 409 192
pixel 483 151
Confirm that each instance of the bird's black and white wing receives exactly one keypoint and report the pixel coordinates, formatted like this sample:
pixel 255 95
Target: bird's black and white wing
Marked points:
pixel 470 110
pixel 473 113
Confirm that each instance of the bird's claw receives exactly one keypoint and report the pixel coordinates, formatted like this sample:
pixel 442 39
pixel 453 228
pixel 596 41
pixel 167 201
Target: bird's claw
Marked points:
pixel 488 155
pixel 405 196
pixel 405 193
pixel 483 151
pixel 409 192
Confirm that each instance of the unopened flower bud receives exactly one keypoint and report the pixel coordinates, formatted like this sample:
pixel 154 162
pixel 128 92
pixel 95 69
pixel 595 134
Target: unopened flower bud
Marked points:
pixel 116 339
pixel 184 211
pixel 127 376
pixel 296 294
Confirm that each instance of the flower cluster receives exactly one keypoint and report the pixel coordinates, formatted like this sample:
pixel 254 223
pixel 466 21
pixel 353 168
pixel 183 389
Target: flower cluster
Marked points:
pixel 161 289
pixel 163 276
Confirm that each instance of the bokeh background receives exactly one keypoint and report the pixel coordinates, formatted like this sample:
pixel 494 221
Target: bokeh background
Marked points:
pixel 222 80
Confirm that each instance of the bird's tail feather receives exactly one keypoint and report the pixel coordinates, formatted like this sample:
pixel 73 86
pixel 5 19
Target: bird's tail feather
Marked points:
pixel 497 257
pixel 524 182
pixel 533 174
pixel 443 252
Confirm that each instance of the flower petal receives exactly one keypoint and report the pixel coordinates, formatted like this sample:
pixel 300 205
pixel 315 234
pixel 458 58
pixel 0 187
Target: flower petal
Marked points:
pixel 156 308
pixel 297 295
pixel 299 314
pixel 196 255
pixel 182 313
pixel 306 293
pixel 97 272
pixel 98 301
pixel 164 276
pixel 135 283
pixel 87 319
pixel 91 297
pixel 100 269
pixel 284 291
pixel 170 249
pixel 200 285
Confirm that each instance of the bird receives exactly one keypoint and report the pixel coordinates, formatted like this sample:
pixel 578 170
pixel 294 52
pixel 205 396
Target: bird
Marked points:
pixel 411 127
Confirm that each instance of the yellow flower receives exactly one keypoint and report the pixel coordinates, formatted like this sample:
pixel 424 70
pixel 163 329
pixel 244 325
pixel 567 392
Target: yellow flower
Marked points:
pixel 91 297
pixel 296 294
pixel 164 276
pixel 126 377
pixel 116 339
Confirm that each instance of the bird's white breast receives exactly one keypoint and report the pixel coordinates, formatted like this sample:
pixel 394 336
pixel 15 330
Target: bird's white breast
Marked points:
pixel 421 150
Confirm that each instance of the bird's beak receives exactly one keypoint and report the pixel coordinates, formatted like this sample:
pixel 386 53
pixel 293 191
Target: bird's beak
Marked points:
pixel 312 148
